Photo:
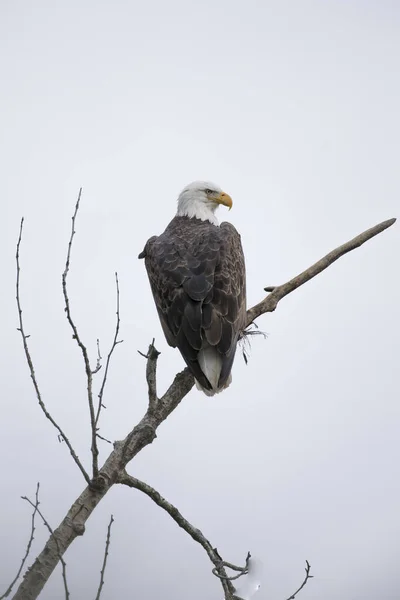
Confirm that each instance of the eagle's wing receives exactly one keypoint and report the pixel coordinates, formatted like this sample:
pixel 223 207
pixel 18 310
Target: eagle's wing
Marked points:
pixel 229 297
pixel 197 276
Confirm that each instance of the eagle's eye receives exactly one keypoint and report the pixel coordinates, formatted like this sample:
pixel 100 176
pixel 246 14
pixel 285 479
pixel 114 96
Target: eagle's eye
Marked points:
pixel 208 191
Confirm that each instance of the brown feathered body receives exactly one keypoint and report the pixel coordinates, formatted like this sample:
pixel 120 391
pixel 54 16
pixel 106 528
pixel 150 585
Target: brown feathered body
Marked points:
pixel 197 275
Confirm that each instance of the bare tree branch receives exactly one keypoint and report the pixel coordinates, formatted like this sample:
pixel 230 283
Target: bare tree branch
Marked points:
pixel 151 373
pixel 73 524
pixel 242 570
pixel 194 533
pixel 63 563
pixel 270 303
pixel 31 367
pixel 307 577
pixel 114 344
pixel 28 547
pixel 144 433
pixel 103 568
pixel 99 359
pixel 75 335
pixel 104 439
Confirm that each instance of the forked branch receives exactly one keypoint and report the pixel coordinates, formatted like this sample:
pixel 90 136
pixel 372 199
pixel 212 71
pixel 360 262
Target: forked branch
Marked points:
pixel 307 577
pixel 76 336
pixel 242 570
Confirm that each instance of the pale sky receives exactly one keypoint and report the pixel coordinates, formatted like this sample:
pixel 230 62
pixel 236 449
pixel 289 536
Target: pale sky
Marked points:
pixel 293 109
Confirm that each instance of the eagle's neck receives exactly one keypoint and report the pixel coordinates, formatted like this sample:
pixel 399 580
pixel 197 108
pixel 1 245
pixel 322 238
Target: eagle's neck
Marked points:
pixel 197 209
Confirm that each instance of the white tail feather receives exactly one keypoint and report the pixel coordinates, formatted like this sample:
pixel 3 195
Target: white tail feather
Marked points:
pixel 210 363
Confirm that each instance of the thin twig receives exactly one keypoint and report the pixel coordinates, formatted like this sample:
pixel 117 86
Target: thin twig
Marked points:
pixel 60 556
pixel 270 303
pixel 31 367
pixel 88 370
pixel 103 568
pixel 194 533
pixel 104 439
pixel 28 547
pixel 99 358
pixel 307 577
pixel 100 404
pixel 151 374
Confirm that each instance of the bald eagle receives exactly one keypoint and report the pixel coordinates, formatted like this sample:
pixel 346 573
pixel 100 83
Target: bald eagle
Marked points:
pixel 197 275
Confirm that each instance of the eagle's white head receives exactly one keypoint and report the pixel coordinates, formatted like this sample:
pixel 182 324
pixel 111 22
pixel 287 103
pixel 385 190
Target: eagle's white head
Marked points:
pixel 200 199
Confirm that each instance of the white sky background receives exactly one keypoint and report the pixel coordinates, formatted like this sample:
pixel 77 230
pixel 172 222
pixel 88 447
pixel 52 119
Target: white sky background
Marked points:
pixel 293 108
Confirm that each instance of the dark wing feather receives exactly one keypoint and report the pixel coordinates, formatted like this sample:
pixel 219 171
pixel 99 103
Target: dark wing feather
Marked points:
pixel 197 275
pixel 230 296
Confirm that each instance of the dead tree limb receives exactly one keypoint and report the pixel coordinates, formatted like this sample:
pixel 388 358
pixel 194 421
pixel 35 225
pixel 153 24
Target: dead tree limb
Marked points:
pixel 270 303
pixel 144 433
pixel 73 524
pixel 151 369
pixel 76 336
pixel 194 533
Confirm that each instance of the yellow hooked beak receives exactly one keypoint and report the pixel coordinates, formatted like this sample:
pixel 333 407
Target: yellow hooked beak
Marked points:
pixel 224 199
